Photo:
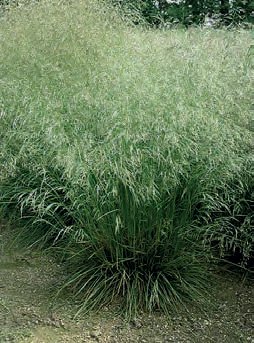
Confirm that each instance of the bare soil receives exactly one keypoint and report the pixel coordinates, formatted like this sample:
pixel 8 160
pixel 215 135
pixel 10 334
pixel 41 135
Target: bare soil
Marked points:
pixel 29 313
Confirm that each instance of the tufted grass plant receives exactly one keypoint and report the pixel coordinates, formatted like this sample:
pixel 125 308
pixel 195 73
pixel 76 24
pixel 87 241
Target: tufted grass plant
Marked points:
pixel 119 145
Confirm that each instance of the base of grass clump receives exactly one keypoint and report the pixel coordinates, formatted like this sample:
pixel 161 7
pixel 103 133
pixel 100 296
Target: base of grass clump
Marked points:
pixel 155 275
pixel 36 318
pixel 146 262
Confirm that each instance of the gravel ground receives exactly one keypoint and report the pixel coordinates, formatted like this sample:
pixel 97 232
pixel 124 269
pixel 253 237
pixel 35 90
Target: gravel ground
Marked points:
pixel 28 281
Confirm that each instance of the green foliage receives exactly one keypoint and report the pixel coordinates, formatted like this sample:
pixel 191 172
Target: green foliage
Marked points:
pixel 230 228
pixel 114 248
pixel 118 147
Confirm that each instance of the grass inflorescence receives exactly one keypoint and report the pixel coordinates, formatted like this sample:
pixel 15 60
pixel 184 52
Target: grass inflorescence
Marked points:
pixel 128 149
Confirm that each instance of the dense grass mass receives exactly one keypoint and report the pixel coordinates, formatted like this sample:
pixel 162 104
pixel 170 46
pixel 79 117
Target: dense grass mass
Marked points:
pixel 127 148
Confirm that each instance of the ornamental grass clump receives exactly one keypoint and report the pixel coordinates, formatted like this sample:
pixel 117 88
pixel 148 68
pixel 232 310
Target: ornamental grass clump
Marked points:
pixel 118 148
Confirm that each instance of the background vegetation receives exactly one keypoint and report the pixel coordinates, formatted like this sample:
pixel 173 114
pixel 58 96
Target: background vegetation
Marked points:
pixel 127 149
pixel 189 12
